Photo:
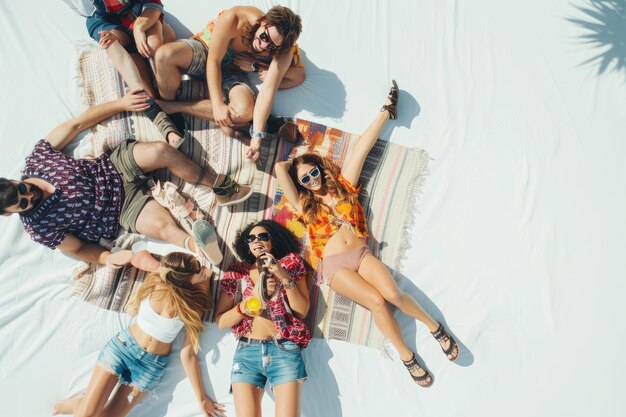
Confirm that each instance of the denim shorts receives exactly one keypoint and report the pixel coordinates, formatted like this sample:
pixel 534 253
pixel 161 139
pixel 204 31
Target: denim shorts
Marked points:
pixel 197 69
pixel 258 361
pixel 134 366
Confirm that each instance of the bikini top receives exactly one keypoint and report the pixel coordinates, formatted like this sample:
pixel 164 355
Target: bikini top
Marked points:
pixel 161 328
pixel 331 219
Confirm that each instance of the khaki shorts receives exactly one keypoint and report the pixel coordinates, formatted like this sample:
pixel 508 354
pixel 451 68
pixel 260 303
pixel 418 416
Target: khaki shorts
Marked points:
pixel 135 182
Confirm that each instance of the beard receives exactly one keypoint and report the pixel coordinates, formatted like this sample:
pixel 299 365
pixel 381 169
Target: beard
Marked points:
pixel 35 200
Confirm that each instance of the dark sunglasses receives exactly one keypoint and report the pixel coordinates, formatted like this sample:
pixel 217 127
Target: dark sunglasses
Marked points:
pixel 261 237
pixel 22 189
pixel 271 46
pixel 314 173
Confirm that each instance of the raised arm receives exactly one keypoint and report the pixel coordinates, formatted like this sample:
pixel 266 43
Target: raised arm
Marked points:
pixel 135 100
pixel 191 365
pixel 287 184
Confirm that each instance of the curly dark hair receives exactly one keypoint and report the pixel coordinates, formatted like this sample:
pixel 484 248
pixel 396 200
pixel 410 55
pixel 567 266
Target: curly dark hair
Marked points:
pixel 286 22
pixel 283 241
pixel 8 194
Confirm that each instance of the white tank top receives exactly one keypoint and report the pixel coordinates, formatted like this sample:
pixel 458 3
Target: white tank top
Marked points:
pixel 161 328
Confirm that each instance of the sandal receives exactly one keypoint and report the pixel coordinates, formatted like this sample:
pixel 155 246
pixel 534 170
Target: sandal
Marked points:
pixel 183 209
pixel 425 380
pixel 392 107
pixel 442 336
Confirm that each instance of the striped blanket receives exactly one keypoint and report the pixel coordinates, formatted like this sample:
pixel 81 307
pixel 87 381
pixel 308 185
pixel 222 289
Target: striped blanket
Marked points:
pixel 331 316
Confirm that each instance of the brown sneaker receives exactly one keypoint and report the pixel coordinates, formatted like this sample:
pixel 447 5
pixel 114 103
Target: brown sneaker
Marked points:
pixel 230 192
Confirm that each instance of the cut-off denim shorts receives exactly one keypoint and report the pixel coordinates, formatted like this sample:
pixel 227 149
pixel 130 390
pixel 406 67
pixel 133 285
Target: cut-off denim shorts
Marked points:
pixel 134 366
pixel 277 361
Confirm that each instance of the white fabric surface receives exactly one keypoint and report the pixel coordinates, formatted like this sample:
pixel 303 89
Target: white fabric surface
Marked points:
pixel 519 242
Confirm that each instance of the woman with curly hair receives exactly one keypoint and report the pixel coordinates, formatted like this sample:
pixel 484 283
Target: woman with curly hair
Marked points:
pixel 269 343
pixel 173 297
pixel 326 198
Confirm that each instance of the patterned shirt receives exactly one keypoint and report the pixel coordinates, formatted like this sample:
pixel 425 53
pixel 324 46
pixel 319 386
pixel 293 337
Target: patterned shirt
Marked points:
pixel 87 200
pixel 237 281
pixel 327 223
pixel 127 11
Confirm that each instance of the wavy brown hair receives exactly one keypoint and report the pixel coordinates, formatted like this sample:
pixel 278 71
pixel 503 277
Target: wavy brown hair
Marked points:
pixel 286 22
pixel 311 206
pixel 172 282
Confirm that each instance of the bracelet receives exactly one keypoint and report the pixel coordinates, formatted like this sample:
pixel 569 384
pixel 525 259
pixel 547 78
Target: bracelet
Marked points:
pixel 259 135
pixel 290 284
pixel 239 310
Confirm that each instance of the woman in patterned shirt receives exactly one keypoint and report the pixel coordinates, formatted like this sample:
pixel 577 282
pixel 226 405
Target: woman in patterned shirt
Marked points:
pixel 269 344
pixel 326 198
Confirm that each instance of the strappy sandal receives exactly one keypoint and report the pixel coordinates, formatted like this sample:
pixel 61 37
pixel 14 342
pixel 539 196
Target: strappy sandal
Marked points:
pixel 392 108
pixel 183 209
pixel 442 336
pixel 423 381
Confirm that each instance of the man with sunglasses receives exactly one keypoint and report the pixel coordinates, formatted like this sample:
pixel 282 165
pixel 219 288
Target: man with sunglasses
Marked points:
pixel 71 204
pixel 239 41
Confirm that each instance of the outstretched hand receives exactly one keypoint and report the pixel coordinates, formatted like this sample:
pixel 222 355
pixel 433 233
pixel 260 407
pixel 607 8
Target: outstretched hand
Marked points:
pixel 212 409
pixel 136 100
pixel 253 151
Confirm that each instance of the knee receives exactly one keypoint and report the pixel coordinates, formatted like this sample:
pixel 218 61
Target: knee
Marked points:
pixel 298 77
pixel 393 296
pixel 164 55
pixel 377 304
pixel 155 43
pixel 162 152
pixel 244 110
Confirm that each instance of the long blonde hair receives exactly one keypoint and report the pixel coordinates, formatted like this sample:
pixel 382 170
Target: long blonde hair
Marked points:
pixel 172 282
pixel 311 206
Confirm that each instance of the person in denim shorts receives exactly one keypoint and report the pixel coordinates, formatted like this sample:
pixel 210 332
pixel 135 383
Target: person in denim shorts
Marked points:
pixel 269 344
pixel 173 297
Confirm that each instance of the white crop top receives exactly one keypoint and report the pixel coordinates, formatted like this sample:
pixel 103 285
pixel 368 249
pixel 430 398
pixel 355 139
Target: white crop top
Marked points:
pixel 157 326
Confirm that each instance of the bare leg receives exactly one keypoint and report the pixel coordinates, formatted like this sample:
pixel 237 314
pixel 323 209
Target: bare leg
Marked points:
pixel 247 399
pixel 93 401
pixel 202 109
pixel 352 285
pixel 124 400
pixel 156 222
pixel 171 60
pixel 151 156
pixel 123 62
pixel 288 399
pixel 375 272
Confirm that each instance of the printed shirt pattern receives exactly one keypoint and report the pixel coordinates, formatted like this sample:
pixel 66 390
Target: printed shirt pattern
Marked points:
pixel 127 11
pixel 87 201
pixel 327 224
pixel 288 326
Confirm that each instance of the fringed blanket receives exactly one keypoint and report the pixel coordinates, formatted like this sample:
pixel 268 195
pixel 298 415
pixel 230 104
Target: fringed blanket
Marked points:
pixel 391 180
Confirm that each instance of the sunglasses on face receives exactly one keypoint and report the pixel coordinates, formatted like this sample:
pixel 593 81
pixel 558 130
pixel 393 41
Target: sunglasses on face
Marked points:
pixel 271 46
pixel 261 237
pixel 22 189
pixel 314 173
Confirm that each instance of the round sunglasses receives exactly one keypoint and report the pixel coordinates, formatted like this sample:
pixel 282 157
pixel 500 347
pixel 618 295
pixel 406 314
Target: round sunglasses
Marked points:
pixel 314 173
pixel 22 189
pixel 261 237
pixel 265 37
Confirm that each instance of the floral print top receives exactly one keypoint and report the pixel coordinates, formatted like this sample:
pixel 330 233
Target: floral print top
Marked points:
pixel 87 201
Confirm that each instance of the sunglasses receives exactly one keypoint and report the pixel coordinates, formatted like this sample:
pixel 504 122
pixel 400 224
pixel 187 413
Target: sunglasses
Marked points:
pixel 271 46
pixel 261 237
pixel 314 173
pixel 22 189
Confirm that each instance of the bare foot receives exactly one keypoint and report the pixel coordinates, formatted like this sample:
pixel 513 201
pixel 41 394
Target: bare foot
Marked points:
pixel 68 405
